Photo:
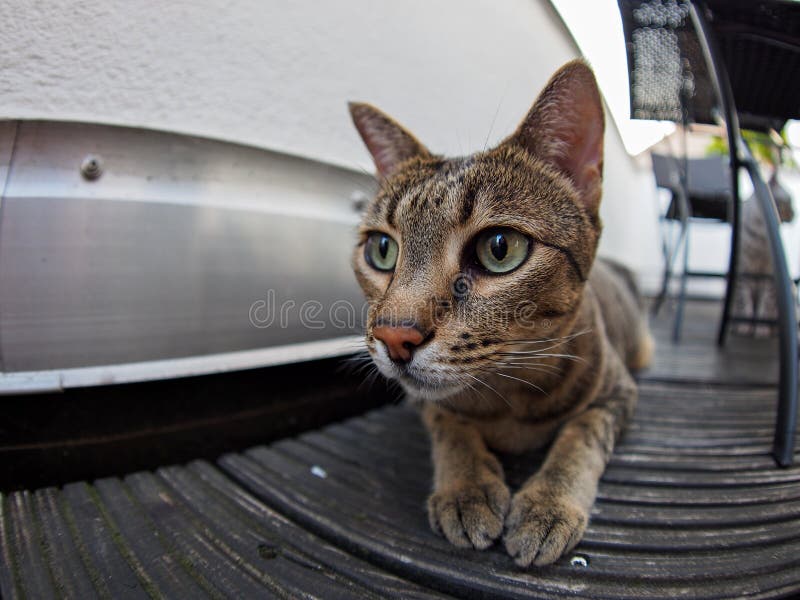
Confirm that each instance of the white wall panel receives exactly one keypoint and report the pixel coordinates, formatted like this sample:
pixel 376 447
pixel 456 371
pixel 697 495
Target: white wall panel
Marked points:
pixel 278 74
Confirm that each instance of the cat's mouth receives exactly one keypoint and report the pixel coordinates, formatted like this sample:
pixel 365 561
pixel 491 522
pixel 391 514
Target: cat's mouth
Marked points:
pixel 422 378
pixel 425 389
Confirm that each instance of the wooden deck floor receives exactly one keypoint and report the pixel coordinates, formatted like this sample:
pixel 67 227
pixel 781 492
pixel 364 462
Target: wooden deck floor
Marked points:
pixel 691 505
pixel 743 359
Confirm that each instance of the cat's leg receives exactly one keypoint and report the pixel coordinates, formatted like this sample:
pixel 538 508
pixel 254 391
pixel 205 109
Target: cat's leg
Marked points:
pixel 549 513
pixel 743 306
pixel 767 308
pixel 470 498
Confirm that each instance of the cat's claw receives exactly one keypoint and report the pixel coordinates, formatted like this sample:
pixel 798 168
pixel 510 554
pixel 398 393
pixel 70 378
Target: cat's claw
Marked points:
pixel 471 514
pixel 542 526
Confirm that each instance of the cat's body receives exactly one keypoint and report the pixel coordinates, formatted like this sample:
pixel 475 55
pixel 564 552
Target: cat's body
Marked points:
pixel 755 290
pixel 531 417
pixel 486 307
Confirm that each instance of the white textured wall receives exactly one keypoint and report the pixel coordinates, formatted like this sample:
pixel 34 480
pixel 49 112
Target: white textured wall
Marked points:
pixel 277 74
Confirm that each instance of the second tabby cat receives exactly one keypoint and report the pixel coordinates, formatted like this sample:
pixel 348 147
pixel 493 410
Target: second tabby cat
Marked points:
pixel 754 294
pixel 488 308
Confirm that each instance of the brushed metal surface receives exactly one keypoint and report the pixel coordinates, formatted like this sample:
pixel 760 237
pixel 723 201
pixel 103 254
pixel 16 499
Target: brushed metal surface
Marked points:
pixel 8 135
pixel 182 247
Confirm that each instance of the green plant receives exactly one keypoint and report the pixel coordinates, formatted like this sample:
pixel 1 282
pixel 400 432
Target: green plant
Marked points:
pixel 761 144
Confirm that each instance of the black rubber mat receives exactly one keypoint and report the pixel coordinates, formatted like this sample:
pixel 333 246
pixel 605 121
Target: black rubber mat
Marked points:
pixel 87 433
pixel 691 506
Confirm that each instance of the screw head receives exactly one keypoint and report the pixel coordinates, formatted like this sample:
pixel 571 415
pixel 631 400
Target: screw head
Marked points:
pixel 579 560
pixel 91 167
pixel 359 201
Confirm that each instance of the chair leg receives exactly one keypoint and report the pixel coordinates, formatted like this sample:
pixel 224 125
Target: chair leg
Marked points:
pixel 733 263
pixel 667 276
pixel 678 324
pixel 662 295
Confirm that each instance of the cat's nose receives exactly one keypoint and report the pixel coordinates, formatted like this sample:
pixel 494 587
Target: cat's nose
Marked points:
pixel 400 341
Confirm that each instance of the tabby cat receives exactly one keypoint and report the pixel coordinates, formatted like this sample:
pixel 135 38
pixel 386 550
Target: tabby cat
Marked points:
pixel 754 294
pixel 485 306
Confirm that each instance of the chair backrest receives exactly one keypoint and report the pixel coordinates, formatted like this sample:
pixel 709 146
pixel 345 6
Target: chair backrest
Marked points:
pixel 708 183
pixel 709 177
pixel 667 172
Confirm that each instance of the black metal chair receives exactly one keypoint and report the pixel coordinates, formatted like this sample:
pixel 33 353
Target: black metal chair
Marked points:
pixel 736 61
pixel 700 190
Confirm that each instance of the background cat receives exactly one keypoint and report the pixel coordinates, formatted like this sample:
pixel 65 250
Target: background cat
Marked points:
pixel 755 296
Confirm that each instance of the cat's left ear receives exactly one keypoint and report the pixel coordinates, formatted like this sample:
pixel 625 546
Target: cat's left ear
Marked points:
pixel 565 128
pixel 389 142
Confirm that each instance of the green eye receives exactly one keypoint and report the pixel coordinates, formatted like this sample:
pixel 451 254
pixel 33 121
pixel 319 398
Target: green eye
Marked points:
pixel 380 251
pixel 501 250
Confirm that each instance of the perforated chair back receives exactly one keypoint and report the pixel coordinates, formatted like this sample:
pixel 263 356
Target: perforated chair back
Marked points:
pixel 708 185
pixel 666 171
pixel 709 177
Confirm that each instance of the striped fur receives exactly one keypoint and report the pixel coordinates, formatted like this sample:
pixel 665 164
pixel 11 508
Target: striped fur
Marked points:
pixel 536 356
pixel 755 291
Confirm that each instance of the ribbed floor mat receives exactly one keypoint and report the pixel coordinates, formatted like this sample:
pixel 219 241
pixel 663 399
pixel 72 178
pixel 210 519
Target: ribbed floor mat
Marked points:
pixel 691 505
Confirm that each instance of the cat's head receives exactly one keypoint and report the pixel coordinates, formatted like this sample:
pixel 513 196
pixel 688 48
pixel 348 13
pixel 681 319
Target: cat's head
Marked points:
pixel 462 258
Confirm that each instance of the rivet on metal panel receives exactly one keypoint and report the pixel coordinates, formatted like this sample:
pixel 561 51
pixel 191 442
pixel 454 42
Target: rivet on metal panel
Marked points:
pixel 91 167
pixel 359 200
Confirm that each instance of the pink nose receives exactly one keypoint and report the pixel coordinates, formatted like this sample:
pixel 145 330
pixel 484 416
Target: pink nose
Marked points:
pixel 400 341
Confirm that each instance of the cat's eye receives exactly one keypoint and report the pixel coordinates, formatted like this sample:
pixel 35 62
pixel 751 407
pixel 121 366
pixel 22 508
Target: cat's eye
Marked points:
pixel 501 250
pixel 381 251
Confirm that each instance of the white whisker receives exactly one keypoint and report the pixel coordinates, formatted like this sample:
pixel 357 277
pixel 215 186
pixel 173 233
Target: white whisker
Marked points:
pixel 503 398
pixel 525 366
pixel 533 385
pixel 546 355
pixel 561 339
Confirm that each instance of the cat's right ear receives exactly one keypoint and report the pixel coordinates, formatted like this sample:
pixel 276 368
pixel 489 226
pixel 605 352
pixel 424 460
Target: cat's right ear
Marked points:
pixel 565 128
pixel 388 141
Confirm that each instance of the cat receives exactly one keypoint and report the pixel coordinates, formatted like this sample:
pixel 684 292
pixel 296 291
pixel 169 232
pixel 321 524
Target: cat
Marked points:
pixel 485 306
pixel 754 294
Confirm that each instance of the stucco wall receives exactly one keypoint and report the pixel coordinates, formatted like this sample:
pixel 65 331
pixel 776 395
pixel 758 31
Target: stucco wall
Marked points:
pixel 278 74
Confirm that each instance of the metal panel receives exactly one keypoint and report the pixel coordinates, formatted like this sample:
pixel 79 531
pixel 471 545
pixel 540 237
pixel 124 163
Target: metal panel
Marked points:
pixel 181 247
pixel 8 133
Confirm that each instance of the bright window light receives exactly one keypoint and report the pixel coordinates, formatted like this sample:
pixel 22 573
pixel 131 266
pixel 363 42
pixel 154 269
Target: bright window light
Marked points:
pixel 597 29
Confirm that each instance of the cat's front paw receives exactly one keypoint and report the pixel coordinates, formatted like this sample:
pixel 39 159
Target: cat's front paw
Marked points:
pixel 470 514
pixel 542 525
